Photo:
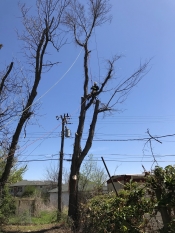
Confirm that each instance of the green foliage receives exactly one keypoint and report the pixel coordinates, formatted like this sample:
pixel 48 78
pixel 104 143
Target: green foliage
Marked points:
pixel 7 205
pixel 15 173
pixel 130 210
pixel 162 187
pixel 91 175
pixel 45 217
pixel 30 191
pixel 123 213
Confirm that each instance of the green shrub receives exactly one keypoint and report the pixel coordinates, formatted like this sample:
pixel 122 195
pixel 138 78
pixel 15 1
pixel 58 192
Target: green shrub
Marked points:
pixel 29 191
pixel 124 213
pixel 7 205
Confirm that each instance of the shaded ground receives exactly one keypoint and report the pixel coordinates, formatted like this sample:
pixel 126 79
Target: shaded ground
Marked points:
pixel 49 228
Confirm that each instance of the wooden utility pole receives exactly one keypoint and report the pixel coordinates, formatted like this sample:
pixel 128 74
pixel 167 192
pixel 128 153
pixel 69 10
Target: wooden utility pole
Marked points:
pixel 64 121
pixel 109 176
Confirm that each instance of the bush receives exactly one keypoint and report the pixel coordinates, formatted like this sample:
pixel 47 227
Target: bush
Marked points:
pixel 7 205
pixel 29 191
pixel 111 214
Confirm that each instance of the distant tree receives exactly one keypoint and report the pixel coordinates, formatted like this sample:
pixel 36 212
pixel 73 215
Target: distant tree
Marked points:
pixel 40 30
pixel 51 174
pixel 91 173
pixel 81 19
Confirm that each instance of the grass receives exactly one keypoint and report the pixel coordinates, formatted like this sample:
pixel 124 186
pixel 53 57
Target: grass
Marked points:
pixel 25 218
pixel 45 222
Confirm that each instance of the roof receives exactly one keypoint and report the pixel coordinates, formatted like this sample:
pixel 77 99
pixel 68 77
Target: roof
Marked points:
pixel 32 182
pixel 133 175
pixel 65 188
pixel 127 176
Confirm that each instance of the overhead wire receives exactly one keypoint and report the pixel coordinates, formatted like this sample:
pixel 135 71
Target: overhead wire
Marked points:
pixel 43 96
pixel 47 134
pixel 48 89
pixel 97 160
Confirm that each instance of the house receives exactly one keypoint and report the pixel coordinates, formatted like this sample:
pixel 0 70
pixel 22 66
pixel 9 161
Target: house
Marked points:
pixel 17 189
pixel 120 180
pixel 65 194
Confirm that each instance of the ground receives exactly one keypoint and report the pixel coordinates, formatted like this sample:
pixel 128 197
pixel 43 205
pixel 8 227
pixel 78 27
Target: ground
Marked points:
pixel 48 228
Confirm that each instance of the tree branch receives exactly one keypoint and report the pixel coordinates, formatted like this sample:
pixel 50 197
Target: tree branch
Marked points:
pixel 5 77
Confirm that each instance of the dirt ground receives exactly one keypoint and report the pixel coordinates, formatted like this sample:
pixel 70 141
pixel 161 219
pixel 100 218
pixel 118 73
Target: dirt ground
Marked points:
pixel 49 228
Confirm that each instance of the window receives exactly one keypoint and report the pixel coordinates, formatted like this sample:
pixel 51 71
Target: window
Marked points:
pixel 11 190
pixel 20 189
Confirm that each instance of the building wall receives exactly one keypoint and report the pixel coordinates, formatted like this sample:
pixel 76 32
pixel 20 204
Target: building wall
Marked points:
pixel 118 186
pixel 54 199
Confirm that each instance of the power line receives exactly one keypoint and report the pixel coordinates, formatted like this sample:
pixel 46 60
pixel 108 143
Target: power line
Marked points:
pixel 97 160
pixel 49 88
pixel 113 154
pixel 133 139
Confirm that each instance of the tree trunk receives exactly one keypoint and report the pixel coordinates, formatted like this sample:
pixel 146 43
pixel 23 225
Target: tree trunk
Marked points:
pixel 77 160
pixel 166 218
pixel 73 193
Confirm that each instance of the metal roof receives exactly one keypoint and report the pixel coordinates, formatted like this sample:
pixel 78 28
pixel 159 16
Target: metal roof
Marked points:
pixel 65 188
pixel 139 175
pixel 32 182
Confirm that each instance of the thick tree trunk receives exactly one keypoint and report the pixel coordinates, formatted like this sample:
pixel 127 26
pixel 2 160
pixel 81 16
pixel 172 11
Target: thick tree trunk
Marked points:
pixel 73 193
pixel 77 160
pixel 26 111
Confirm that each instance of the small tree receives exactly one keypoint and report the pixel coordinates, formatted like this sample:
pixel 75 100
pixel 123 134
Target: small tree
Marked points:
pixel 91 175
pixel 7 205
pixel 51 174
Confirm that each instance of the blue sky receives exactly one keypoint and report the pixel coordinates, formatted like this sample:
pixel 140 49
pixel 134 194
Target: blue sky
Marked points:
pixel 140 30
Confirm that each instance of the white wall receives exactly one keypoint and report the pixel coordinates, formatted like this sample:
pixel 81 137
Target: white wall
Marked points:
pixel 54 199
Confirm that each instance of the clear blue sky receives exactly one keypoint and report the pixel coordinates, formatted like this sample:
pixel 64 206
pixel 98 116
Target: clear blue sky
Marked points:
pixel 140 30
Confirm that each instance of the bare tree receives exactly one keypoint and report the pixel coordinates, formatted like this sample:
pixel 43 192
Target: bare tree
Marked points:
pixel 81 20
pixel 91 173
pixel 51 173
pixel 39 31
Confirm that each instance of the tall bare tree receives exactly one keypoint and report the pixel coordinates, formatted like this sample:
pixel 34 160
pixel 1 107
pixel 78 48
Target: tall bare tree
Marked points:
pixel 51 173
pixel 81 20
pixel 40 30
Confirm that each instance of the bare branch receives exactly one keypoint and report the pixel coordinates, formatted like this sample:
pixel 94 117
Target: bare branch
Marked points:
pixel 82 20
pixel 5 77
pixel 126 86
